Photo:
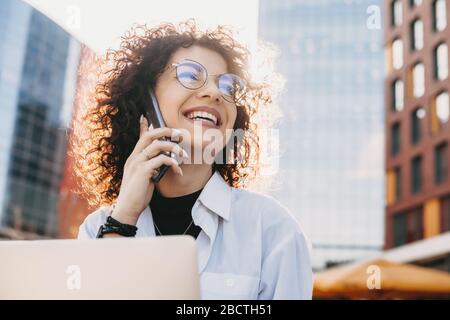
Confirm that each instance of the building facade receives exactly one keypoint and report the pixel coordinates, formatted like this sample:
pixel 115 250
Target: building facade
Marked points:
pixel 331 133
pixel 38 63
pixel 417 126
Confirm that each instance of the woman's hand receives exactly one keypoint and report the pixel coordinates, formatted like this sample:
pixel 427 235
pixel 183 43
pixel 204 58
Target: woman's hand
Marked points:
pixel 137 187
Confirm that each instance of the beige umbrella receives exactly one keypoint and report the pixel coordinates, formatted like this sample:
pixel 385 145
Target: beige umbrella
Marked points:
pixel 381 279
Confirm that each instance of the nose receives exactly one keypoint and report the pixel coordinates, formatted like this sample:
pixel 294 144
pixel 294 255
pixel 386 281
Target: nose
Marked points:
pixel 210 90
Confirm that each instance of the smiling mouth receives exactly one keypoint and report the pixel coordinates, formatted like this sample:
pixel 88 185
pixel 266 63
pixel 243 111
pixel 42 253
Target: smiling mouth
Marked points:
pixel 203 118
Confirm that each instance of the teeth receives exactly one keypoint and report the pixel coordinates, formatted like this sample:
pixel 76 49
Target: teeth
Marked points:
pixel 207 115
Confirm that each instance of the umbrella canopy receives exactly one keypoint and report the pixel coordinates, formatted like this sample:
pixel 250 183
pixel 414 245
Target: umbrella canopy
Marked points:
pixel 396 281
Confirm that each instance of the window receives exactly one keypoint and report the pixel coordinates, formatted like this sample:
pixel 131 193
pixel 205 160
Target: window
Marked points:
pixel 400 229
pixel 440 110
pixel 395 143
pixel 397 54
pixel 415 225
pixel 445 214
pixel 417 35
pixel 398 183
pixel 397 96
pixel 416 174
pixel 408 226
pixel 442 107
pixel 416 117
pixel 418 80
pixel 397 12
pixel 440 163
pixel 439 15
pixel 393 185
pixel 441 62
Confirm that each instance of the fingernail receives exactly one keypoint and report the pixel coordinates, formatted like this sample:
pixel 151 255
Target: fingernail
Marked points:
pixel 176 132
pixel 150 127
pixel 141 119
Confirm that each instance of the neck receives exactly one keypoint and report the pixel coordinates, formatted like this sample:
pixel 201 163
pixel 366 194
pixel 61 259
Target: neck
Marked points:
pixel 195 177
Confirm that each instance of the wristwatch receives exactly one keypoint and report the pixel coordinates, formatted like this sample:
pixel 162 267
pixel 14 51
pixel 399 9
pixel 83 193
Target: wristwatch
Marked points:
pixel 114 226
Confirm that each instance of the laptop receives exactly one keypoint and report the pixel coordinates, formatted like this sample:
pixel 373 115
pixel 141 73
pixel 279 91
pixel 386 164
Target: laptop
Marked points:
pixel 109 268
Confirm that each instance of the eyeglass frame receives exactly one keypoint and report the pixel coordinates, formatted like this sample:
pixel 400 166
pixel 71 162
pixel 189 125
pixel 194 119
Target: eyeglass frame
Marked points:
pixel 234 100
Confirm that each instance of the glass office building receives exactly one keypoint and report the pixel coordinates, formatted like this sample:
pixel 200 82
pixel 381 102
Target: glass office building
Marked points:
pixel 38 63
pixel 331 135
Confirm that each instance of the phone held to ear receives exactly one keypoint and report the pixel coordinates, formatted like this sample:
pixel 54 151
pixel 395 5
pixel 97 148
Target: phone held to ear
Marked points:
pixel 154 117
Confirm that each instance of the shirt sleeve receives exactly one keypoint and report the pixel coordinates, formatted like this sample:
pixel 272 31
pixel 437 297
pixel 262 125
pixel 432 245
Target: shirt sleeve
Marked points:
pixel 84 232
pixel 286 271
pixel 89 228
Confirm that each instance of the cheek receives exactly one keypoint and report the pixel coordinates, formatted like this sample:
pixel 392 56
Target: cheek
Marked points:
pixel 232 119
pixel 170 115
pixel 170 106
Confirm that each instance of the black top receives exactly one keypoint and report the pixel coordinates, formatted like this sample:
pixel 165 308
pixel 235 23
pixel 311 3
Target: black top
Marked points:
pixel 172 216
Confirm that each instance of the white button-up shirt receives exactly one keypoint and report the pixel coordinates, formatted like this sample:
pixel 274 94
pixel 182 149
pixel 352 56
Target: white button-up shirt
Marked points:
pixel 250 246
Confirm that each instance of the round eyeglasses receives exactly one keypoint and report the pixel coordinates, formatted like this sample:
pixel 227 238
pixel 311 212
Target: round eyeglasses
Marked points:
pixel 193 75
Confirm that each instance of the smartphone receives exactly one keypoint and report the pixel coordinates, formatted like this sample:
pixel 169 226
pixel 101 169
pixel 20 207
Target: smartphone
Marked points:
pixel 154 117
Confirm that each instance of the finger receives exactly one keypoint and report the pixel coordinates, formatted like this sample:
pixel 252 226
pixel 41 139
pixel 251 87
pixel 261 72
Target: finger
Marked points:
pixel 143 125
pixel 156 162
pixel 158 133
pixel 159 146
pixel 177 136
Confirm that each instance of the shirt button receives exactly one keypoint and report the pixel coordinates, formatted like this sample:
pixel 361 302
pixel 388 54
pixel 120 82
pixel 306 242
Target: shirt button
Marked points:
pixel 230 282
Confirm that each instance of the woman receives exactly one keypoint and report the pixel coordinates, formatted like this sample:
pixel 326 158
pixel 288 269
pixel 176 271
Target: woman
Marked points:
pixel 250 246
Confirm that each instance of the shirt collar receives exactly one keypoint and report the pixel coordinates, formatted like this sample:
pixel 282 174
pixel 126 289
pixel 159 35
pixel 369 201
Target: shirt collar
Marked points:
pixel 214 202
pixel 216 196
